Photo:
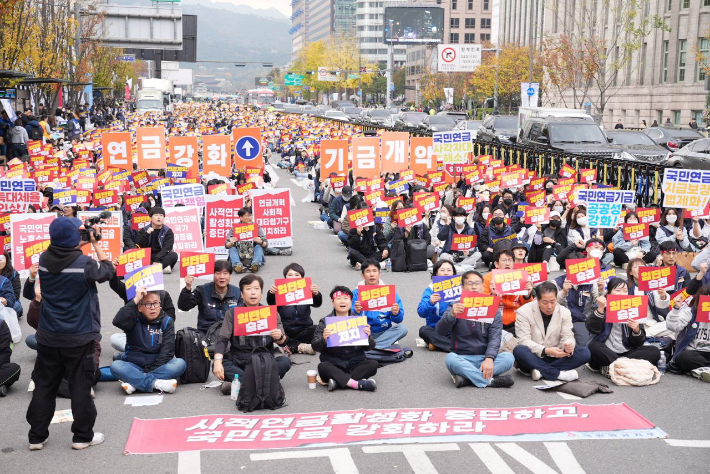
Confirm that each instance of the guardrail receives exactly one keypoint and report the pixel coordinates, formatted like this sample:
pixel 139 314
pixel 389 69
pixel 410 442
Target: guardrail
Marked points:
pixel 643 178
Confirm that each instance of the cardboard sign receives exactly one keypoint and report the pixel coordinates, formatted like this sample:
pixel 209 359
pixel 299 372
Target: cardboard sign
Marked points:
pixel 703 213
pixel 244 232
pixel 196 264
pixel 407 217
pixel 32 250
pixel 635 231
pixel 622 308
pixel 654 278
pixel 272 212
pixel 254 320
pixel 461 242
pixel 150 277
pixel 583 270
pixel 567 171
pixel 338 182
pixel 468 204
pixel 185 223
pixel 537 272
pixel 346 331
pixel 703 313
pixel 687 299
pixel 479 306
pixel 139 220
pixel 448 287
pixel 293 291
pixel 221 214
pixel 427 202
pixel 510 282
pixel 132 260
pixel 361 217
pixel 588 176
pixel 376 297
pixel 106 197
pixel 649 215
pixel 140 179
pixel 537 215
pixel 133 202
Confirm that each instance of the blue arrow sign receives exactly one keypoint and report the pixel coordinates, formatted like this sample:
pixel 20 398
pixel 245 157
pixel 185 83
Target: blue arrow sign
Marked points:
pixel 248 148
pixel 531 91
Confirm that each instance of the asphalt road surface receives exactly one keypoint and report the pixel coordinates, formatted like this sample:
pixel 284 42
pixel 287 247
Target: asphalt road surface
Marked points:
pixel 678 404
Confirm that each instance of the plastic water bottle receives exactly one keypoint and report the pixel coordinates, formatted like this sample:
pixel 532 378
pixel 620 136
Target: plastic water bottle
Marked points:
pixel 662 363
pixel 388 268
pixel 235 387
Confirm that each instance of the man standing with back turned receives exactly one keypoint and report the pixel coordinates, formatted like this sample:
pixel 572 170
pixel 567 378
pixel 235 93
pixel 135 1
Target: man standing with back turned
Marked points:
pixel 69 323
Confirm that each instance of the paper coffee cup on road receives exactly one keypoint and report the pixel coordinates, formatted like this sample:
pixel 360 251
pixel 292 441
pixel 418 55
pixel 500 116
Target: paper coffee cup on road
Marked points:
pixel 311 375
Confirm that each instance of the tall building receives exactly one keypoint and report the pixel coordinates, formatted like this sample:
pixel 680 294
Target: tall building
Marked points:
pixel 465 22
pixel 662 80
pixel 316 20
pixel 299 26
pixel 370 19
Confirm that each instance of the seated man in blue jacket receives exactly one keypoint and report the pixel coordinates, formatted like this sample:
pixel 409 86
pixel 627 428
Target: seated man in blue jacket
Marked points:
pixel 148 362
pixel 387 327
pixel 474 357
pixel 212 299
pixel 9 371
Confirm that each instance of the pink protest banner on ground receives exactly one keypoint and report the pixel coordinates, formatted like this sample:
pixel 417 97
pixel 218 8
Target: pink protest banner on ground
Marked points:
pixel 405 425
pixel 220 217
pixel 27 228
pixel 185 224
pixel 272 211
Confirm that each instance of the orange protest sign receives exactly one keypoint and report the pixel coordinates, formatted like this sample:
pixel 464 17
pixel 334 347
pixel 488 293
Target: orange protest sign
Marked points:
pixel 183 152
pixel 151 148
pixel 32 250
pixel 468 204
pixel 216 154
pixel 537 272
pixel 243 232
pixel 366 157
pixel 247 147
pixel 293 291
pixel 376 297
pixel 395 151
pixel 422 155
pixel 537 215
pixel 635 231
pixel 407 217
pixel 117 150
pixel 334 157
pixel 703 313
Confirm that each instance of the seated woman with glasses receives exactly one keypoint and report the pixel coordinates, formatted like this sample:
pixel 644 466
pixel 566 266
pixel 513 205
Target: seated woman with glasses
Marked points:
pixel 504 260
pixel 148 363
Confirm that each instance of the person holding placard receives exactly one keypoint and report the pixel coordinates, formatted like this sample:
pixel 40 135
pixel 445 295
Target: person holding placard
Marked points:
pixel 228 363
pixel 247 254
pixel 387 326
pixel 160 244
pixel 296 318
pixel 625 250
pixel 496 232
pixel 691 323
pixel 548 240
pixel 658 301
pixel 466 258
pixel 612 340
pixel 148 363
pixel 546 346
pixel 474 358
pixel 504 260
pixel 431 308
pixel 344 365
pixel 366 243
pixel 672 229
pixel 9 371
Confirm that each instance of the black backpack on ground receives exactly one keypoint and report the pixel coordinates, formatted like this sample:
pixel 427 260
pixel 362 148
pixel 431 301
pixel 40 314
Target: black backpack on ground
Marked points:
pixel 212 335
pixel 416 255
pixel 190 348
pixel 398 256
pixel 260 388
pixel 389 355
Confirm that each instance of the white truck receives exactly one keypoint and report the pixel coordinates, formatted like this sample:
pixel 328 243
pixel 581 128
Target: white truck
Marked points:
pixel 164 87
pixel 149 100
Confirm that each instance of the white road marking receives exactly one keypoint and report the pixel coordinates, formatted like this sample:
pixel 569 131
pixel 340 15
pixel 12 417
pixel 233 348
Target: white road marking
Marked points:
pixel 415 454
pixel 189 462
pixel 688 443
pixel 493 461
pixel 559 452
pixel 340 458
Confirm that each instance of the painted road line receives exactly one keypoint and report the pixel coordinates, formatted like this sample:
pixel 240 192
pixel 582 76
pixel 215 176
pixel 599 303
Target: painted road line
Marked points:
pixel 688 443
pixel 415 454
pixel 189 462
pixel 340 458
pixel 560 453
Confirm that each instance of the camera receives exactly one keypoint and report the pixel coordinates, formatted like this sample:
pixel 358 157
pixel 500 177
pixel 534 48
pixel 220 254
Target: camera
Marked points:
pixel 89 226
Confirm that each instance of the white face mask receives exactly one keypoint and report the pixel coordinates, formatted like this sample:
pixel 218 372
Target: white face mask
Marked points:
pixel 582 220
pixel 671 218
pixel 476 186
pixel 459 220
pixel 485 197
pixel 596 253
pixel 559 209
pixel 632 222
pixel 485 215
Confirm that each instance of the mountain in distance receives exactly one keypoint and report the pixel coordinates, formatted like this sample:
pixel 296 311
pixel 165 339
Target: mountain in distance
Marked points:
pixel 270 13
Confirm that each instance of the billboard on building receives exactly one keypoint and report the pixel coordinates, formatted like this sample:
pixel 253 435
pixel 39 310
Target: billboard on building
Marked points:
pixel 414 25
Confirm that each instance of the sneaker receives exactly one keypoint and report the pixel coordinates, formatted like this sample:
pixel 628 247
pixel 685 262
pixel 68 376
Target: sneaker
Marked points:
pixel 568 375
pixel 128 388
pixel 167 270
pixel 226 388
pixel 3 391
pixel 701 373
pixel 368 385
pixel 605 371
pixel 332 385
pixel 286 252
pixel 358 266
pixel 306 349
pixel 98 439
pixel 254 268
pixel 527 374
pixel 38 446
pixel 536 375
pixel 166 386
pixel 502 381
pixel 591 368
pixel 383 266
pixel 460 381
pixel 431 347
pixel 31 386
pixel 93 395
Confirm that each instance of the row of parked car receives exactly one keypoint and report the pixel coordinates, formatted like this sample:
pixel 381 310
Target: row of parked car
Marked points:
pixel 682 148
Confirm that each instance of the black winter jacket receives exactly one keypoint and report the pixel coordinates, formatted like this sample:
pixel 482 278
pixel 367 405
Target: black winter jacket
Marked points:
pixel 369 242
pixel 345 357
pixel 149 344
pixel 210 308
pixel 297 317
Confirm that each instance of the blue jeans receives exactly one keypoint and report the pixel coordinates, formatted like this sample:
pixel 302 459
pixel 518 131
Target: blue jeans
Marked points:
pixel 343 236
pixel 550 367
pixel 136 376
pixel 18 308
pixel 389 336
pixel 326 218
pixel 469 366
pixel 258 256
pixel 31 341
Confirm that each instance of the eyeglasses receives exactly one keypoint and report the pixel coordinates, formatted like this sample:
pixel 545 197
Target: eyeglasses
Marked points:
pixel 151 305
pixel 473 283
pixel 505 260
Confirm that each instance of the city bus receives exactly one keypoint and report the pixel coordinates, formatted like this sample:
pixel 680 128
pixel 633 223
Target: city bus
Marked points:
pixel 260 97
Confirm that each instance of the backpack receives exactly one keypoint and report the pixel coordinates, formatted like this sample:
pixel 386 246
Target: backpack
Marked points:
pixel 190 347
pixel 416 255
pixel 212 335
pixel 389 355
pixel 35 133
pixel 260 388
pixel 398 256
